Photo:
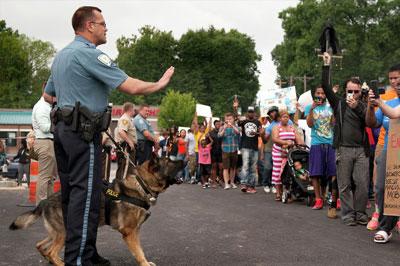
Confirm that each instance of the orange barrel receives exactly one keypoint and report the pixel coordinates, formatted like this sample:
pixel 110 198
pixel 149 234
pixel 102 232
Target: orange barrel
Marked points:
pixel 57 185
pixel 34 172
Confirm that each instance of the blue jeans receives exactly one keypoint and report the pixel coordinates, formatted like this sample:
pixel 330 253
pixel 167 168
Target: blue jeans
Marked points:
pixel 267 169
pixel 181 174
pixel 249 167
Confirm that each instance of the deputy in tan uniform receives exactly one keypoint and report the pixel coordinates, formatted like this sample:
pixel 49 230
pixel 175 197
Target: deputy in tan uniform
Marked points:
pixel 126 137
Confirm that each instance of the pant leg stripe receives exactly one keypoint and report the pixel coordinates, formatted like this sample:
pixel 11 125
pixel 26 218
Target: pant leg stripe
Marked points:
pixel 87 205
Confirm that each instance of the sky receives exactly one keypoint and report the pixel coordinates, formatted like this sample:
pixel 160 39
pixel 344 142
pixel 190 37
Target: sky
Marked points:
pixel 51 21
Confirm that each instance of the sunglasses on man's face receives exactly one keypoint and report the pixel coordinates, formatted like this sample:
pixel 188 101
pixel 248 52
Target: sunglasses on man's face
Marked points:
pixel 353 91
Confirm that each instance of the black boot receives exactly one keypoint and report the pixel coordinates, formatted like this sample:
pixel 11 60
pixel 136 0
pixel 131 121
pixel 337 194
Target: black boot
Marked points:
pixel 98 260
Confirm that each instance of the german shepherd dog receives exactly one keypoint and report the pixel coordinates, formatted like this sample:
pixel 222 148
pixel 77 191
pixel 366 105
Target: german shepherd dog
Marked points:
pixel 158 174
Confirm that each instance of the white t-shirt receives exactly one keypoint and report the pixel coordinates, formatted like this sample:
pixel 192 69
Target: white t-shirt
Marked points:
pixel 191 143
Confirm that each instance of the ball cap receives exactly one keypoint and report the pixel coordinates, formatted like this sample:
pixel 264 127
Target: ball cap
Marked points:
pixel 272 109
pixel 250 109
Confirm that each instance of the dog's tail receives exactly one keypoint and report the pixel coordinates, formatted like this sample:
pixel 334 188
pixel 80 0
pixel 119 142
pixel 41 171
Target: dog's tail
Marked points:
pixel 28 218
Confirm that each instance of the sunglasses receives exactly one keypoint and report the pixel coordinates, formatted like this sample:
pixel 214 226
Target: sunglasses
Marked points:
pixel 353 91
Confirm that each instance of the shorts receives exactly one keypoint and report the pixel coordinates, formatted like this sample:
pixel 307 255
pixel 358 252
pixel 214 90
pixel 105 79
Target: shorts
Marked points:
pixel 216 157
pixel 229 160
pixel 322 161
pixel 205 169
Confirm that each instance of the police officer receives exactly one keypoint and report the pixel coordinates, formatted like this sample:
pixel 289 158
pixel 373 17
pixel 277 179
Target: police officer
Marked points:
pixel 81 73
pixel 126 137
pixel 145 135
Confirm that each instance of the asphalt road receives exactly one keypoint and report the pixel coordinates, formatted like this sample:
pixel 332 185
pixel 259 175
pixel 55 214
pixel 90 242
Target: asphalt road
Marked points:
pixel 193 226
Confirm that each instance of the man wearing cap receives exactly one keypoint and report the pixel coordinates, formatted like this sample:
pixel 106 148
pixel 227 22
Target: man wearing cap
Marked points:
pixel 251 130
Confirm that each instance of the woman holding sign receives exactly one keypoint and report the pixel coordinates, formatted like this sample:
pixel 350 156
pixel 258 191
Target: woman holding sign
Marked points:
pixel 390 109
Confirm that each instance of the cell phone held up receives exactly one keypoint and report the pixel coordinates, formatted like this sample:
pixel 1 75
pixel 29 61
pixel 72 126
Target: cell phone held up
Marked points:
pixel 376 89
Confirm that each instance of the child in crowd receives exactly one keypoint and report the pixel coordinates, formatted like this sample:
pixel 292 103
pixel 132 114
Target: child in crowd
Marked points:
pixel 205 159
pixel 300 172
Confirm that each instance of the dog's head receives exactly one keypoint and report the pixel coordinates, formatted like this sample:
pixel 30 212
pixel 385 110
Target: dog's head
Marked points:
pixel 160 173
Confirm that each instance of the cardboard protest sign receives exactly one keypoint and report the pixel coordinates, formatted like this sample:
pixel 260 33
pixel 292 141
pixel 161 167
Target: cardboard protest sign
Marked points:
pixel 392 181
pixel 283 98
pixel 203 110
pixel 304 100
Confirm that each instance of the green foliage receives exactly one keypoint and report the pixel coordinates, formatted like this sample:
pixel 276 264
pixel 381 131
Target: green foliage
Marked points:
pixel 176 109
pixel 211 64
pixel 23 68
pixel 365 29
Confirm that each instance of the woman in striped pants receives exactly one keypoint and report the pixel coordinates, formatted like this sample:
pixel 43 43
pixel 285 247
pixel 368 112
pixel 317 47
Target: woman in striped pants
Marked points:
pixel 284 136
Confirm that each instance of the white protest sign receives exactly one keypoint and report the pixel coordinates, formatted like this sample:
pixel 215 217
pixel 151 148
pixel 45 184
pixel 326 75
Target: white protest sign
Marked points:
pixel 283 98
pixel 203 110
pixel 305 99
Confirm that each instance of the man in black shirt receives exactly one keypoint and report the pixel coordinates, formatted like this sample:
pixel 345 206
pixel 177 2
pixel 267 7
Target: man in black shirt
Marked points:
pixel 352 147
pixel 251 130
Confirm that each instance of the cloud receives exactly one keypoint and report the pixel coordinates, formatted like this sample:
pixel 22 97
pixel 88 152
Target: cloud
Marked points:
pixel 51 21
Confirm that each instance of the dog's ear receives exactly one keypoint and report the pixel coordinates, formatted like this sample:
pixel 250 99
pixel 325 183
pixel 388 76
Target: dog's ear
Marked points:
pixel 154 163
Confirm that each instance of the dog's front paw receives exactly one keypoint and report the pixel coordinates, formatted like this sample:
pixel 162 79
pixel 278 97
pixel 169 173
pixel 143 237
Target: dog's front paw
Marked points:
pixel 152 263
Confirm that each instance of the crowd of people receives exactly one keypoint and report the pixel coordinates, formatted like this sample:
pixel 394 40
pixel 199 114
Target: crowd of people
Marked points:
pixel 346 166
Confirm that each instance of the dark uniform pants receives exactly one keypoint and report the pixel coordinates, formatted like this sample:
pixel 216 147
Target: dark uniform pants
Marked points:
pixel 79 167
pixel 124 166
pixel 144 150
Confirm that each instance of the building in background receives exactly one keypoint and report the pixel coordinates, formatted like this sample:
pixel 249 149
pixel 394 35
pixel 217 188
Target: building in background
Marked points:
pixel 15 124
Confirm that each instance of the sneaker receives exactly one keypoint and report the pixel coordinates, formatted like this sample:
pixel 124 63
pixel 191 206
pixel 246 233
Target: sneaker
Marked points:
pixel 207 184
pixel 373 223
pixel 227 186
pixel 397 227
pixel 267 189
pixel 319 204
pixel 332 213
pixel 233 186
pixel 251 190
pixel 338 204
pixel 350 223
pixel 273 190
pixel 98 260
pixel 243 188
pixel 362 221
pixel 204 186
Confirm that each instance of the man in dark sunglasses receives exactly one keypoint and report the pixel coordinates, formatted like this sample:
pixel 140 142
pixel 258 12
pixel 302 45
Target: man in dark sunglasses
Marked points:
pixel 352 147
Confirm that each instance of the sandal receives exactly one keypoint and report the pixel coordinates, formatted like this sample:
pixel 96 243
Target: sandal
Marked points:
pixel 382 237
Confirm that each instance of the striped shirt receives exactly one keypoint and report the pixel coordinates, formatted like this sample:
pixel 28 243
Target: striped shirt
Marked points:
pixel 278 153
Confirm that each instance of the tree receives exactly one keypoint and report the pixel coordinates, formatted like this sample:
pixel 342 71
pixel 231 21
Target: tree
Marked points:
pixel 176 109
pixel 364 28
pixel 215 65
pixel 146 58
pixel 211 64
pixel 23 68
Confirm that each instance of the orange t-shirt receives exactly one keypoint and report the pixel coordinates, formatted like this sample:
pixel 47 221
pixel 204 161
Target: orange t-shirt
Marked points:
pixel 390 94
pixel 181 146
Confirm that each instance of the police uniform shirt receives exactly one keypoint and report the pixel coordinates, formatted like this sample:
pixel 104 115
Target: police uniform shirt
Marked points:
pixel 80 72
pixel 125 123
pixel 141 125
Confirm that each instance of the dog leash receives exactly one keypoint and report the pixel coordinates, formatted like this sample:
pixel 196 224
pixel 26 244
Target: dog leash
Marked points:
pixel 142 183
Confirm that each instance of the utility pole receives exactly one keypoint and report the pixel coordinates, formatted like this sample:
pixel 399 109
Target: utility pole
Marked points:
pixel 303 78
pixel 280 82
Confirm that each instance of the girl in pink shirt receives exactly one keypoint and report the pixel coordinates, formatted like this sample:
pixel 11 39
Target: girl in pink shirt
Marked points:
pixel 205 159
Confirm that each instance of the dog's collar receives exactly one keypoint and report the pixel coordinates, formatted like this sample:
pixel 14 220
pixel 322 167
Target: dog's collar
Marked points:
pixel 151 196
pixel 115 196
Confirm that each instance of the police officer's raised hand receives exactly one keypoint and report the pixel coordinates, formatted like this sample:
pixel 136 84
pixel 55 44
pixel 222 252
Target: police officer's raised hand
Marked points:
pixel 164 80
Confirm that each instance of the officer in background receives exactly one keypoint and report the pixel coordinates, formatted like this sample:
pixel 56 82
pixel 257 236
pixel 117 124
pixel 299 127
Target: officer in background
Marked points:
pixel 126 137
pixel 82 78
pixel 145 135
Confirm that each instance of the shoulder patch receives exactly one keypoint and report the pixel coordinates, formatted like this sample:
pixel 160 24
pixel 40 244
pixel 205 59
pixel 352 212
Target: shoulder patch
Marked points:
pixel 103 58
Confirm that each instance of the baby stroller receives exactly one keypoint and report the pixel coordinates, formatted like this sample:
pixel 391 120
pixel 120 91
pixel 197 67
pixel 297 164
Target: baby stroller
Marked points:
pixel 295 186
